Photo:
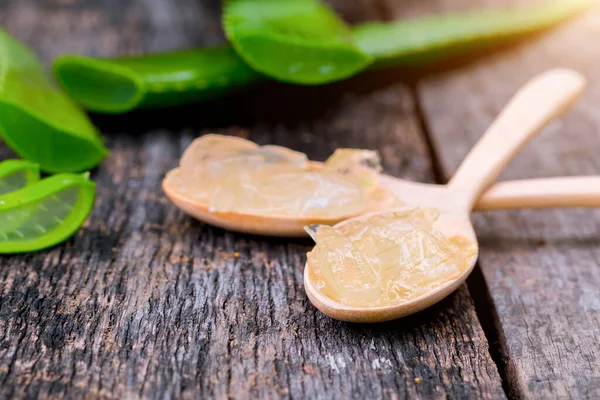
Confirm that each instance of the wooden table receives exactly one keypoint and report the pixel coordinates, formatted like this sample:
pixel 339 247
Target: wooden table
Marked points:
pixel 146 302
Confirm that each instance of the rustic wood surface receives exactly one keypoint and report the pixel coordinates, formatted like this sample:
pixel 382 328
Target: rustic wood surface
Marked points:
pixel 144 302
pixel 541 268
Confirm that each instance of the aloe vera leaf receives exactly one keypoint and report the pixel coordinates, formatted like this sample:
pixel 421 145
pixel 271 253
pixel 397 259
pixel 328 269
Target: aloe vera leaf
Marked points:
pixel 17 174
pixel 258 28
pixel 46 213
pixel 429 39
pixel 296 41
pixel 37 120
pixel 99 84
pixel 161 80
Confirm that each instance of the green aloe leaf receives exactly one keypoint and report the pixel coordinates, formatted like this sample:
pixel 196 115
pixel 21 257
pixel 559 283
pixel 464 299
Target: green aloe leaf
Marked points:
pixel 298 41
pixel 37 120
pixel 294 34
pixel 425 40
pixel 17 174
pixel 46 213
pixel 160 80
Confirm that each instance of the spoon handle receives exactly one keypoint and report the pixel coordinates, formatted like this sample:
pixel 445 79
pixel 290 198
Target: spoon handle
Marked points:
pixel 583 191
pixel 541 100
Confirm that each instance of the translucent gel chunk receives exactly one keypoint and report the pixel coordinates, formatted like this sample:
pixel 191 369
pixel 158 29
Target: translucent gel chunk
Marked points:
pixel 407 256
pixel 234 174
pixel 17 174
pixel 362 166
pixel 343 272
pixel 12 182
pixel 284 155
pixel 214 147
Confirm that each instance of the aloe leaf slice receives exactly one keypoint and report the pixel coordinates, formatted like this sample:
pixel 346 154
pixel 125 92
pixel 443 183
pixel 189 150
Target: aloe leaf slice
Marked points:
pixel 160 80
pixel 429 39
pixel 17 174
pixel 298 41
pixel 37 120
pixel 46 213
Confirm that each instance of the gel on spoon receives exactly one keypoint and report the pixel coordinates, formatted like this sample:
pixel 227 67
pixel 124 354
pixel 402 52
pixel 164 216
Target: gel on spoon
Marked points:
pixel 432 241
pixel 290 199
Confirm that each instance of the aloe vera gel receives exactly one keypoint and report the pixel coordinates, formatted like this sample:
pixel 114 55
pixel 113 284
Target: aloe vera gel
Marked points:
pixel 386 259
pixel 17 174
pixel 231 174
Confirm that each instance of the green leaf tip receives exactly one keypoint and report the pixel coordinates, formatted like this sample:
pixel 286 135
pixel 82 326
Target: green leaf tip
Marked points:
pixel 295 41
pixel 39 122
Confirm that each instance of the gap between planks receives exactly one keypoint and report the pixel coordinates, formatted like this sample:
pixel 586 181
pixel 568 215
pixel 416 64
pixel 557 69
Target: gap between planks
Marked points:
pixel 478 289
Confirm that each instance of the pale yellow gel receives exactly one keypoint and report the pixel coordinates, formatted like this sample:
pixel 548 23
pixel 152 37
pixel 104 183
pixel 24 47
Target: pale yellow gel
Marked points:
pixel 386 259
pixel 233 174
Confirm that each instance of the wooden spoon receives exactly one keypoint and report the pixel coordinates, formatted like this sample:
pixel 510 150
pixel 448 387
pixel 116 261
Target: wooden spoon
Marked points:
pixel 579 191
pixel 557 192
pixel 538 102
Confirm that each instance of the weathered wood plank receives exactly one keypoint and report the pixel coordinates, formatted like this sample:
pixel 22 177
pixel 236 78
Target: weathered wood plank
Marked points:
pixel 107 27
pixel 541 267
pixel 145 302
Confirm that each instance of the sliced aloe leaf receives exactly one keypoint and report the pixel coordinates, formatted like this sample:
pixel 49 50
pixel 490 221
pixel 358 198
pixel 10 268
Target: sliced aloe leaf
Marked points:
pixel 273 36
pixel 17 174
pixel 432 38
pixel 160 80
pixel 46 213
pixel 298 41
pixel 37 120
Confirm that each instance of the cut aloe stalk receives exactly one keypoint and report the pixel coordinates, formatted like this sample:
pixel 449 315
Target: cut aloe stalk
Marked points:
pixel 161 80
pixel 426 40
pixel 121 85
pixel 297 41
pixel 17 174
pixel 46 213
pixel 273 36
pixel 37 120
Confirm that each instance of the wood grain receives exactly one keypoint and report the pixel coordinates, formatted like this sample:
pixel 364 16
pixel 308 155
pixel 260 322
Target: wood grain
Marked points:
pixel 541 267
pixel 144 302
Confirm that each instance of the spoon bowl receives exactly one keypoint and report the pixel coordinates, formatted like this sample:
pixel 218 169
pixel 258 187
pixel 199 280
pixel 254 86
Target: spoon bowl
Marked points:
pixel 538 102
pixel 266 224
pixel 449 225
